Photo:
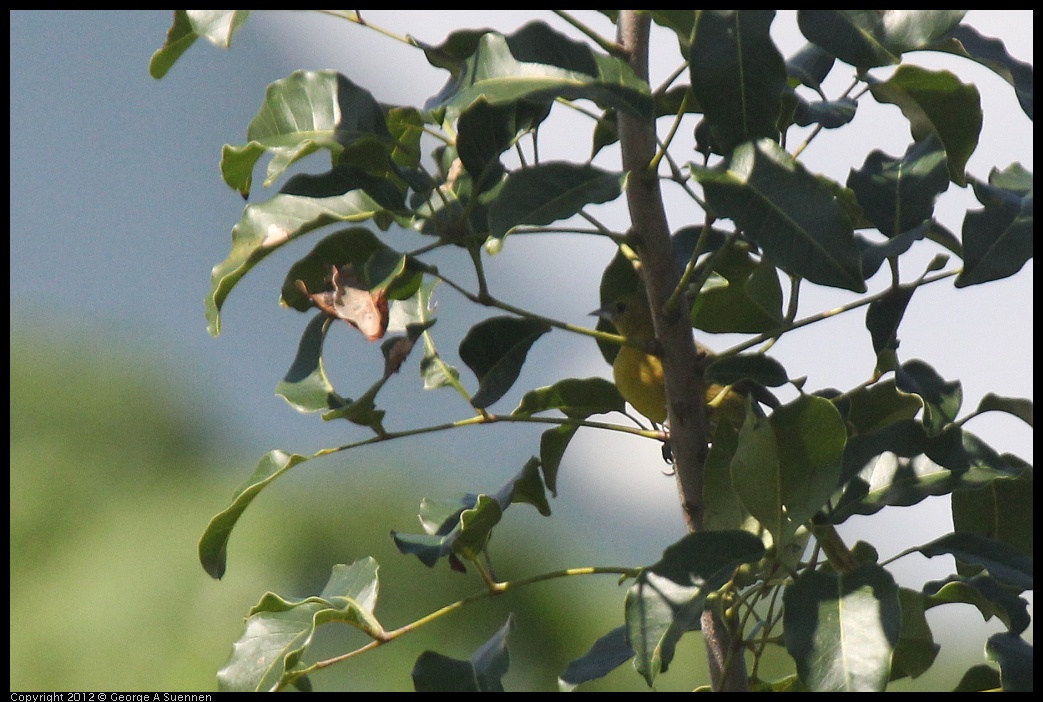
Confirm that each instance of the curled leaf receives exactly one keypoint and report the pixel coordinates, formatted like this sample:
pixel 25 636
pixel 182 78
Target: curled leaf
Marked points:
pixel 344 297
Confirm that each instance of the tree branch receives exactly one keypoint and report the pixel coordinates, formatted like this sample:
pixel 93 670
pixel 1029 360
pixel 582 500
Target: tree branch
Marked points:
pixel 686 409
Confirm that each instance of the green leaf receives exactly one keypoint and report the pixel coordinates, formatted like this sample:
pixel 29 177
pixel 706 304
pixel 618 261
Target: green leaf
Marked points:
pixel 966 41
pixel 1004 562
pixel 668 597
pixel 213 545
pixel 979 678
pixel 750 303
pixel 548 192
pixel 988 595
pixel 810 66
pixel 574 397
pixel 536 64
pixel 462 527
pixel 355 246
pixel 279 631
pixel 266 227
pixel 305 385
pixel 941 398
pixel 495 350
pixel 787 465
pixel 842 629
pixel 553 443
pixel 788 212
pixel 1014 656
pixel 876 407
pixel 916 650
pixel 217 26
pixel 755 366
pixel 483 672
pixel 308 111
pixel 608 653
pixel 936 102
pixel 738 75
pixel 828 114
pixel 998 510
pixel 998 240
pixel 885 314
pixel 899 194
pixel 868 38
pixel 900 465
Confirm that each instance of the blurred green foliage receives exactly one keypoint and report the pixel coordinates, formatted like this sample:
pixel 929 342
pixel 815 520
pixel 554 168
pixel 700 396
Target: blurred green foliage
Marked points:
pixel 115 470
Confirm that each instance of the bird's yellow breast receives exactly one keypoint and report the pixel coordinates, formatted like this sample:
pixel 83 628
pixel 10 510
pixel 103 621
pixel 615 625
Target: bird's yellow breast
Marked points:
pixel 639 378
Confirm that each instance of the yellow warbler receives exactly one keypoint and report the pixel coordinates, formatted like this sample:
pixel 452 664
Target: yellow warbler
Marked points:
pixel 639 374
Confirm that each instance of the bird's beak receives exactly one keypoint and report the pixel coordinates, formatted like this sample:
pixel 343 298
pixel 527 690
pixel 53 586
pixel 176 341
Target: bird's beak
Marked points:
pixel 605 313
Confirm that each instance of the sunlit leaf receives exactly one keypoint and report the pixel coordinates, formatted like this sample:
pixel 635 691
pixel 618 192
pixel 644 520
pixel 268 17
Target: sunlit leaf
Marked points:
pixel 537 64
pixel 868 38
pixel 216 26
pixel 847 643
pixel 937 103
pixel 213 545
pixel 279 631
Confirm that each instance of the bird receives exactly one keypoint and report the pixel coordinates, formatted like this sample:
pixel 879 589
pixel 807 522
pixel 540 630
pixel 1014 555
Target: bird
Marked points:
pixel 638 371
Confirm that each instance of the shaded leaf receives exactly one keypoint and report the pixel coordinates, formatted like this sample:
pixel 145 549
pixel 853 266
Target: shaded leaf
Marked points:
pixel 755 366
pixel 979 678
pixel 916 650
pixel 279 631
pixel 1004 563
pixel 217 26
pixel 967 41
pixel 998 239
pixel 787 465
pixel 988 595
pixel 942 399
pixel 846 643
pixel 829 114
pixel 483 672
pixel 897 194
pixel 608 653
pixel 936 102
pixel 305 386
pixel 738 75
pixel 751 302
pixel 495 350
pixel 885 314
pixel 549 192
pixel 553 443
pixel 1002 510
pixel 668 597
pixel 810 66
pixel 1014 656
pixel 462 527
pixel 901 465
pixel 786 211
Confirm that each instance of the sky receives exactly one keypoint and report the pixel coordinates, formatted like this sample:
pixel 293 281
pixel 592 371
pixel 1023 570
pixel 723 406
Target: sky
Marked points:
pixel 118 213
